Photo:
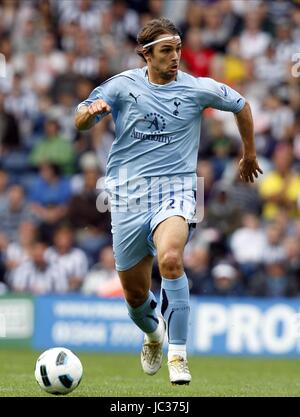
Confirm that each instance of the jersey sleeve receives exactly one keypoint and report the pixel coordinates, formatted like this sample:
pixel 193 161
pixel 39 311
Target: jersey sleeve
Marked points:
pixel 219 96
pixel 108 91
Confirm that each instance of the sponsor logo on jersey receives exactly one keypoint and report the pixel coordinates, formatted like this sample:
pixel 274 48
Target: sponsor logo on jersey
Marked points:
pixel 154 125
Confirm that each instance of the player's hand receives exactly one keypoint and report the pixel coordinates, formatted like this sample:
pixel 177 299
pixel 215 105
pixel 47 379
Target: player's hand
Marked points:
pixel 98 107
pixel 249 169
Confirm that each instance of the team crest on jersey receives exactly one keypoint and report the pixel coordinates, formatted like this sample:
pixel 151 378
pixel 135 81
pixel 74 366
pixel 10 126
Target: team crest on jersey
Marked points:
pixel 176 103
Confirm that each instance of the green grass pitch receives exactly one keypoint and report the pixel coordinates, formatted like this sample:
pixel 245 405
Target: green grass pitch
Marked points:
pixel 116 375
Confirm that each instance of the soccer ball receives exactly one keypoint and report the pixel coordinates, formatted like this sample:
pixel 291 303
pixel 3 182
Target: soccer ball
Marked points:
pixel 58 371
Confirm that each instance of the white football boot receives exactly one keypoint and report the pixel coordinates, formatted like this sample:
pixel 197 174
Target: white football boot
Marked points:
pixel 178 371
pixel 152 354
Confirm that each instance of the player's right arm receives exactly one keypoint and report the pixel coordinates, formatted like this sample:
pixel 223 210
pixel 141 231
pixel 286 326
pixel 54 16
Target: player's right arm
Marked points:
pixel 86 115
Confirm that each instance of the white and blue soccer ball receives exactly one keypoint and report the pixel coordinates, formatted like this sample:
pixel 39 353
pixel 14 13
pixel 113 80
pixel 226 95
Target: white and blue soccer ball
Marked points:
pixel 58 371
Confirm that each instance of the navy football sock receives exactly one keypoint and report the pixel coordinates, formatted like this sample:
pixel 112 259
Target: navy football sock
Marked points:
pixel 145 316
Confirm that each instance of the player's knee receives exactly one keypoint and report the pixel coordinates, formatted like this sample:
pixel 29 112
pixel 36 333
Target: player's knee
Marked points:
pixel 136 297
pixel 170 264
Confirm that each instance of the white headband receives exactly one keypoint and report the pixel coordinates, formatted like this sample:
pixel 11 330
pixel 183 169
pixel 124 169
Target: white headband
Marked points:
pixel 166 38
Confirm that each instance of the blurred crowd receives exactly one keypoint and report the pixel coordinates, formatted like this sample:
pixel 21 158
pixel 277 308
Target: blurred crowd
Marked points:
pixel 52 237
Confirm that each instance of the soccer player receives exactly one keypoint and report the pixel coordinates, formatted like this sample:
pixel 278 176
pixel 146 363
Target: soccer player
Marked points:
pixel 157 115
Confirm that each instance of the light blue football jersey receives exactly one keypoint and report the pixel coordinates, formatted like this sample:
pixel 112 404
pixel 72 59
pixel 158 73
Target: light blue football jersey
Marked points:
pixel 157 127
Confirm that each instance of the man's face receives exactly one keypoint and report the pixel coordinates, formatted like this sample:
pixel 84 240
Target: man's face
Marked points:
pixel 38 253
pixel 165 57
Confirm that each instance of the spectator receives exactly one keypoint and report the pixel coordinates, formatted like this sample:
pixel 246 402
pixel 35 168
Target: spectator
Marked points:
pixel 295 18
pixel 281 187
pixel 66 82
pixel 4 179
pixel 254 41
pixel 18 251
pixel 6 49
pixel 49 196
pixel 195 55
pixel 291 246
pixel 226 281
pixel 103 279
pixel 280 116
pixel 102 139
pixel 22 103
pixel 194 17
pixel 235 68
pixel 53 148
pixel 198 270
pixel 247 244
pixel 274 281
pixel 63 113
pixel 86 14
pixel 268 69
pixel 88 164
pixel 37 275
pixel 285 44
pixel 85 63
pixel 205 170
pixel 244 196
pixel 273 248
pixel 215 33
pixel 15 211
pixel 89 15
pixel 50 62
pixel 92 228
pixel 221 213
pixel 27 35
pixel 9 130
pixel 3 246
pixel 71 259
pixel 104 70
pixel 221 148
pixel 125 20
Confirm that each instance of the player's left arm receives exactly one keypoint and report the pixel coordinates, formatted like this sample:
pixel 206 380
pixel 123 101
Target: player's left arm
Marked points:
pixel 222 97
pixel 248 165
